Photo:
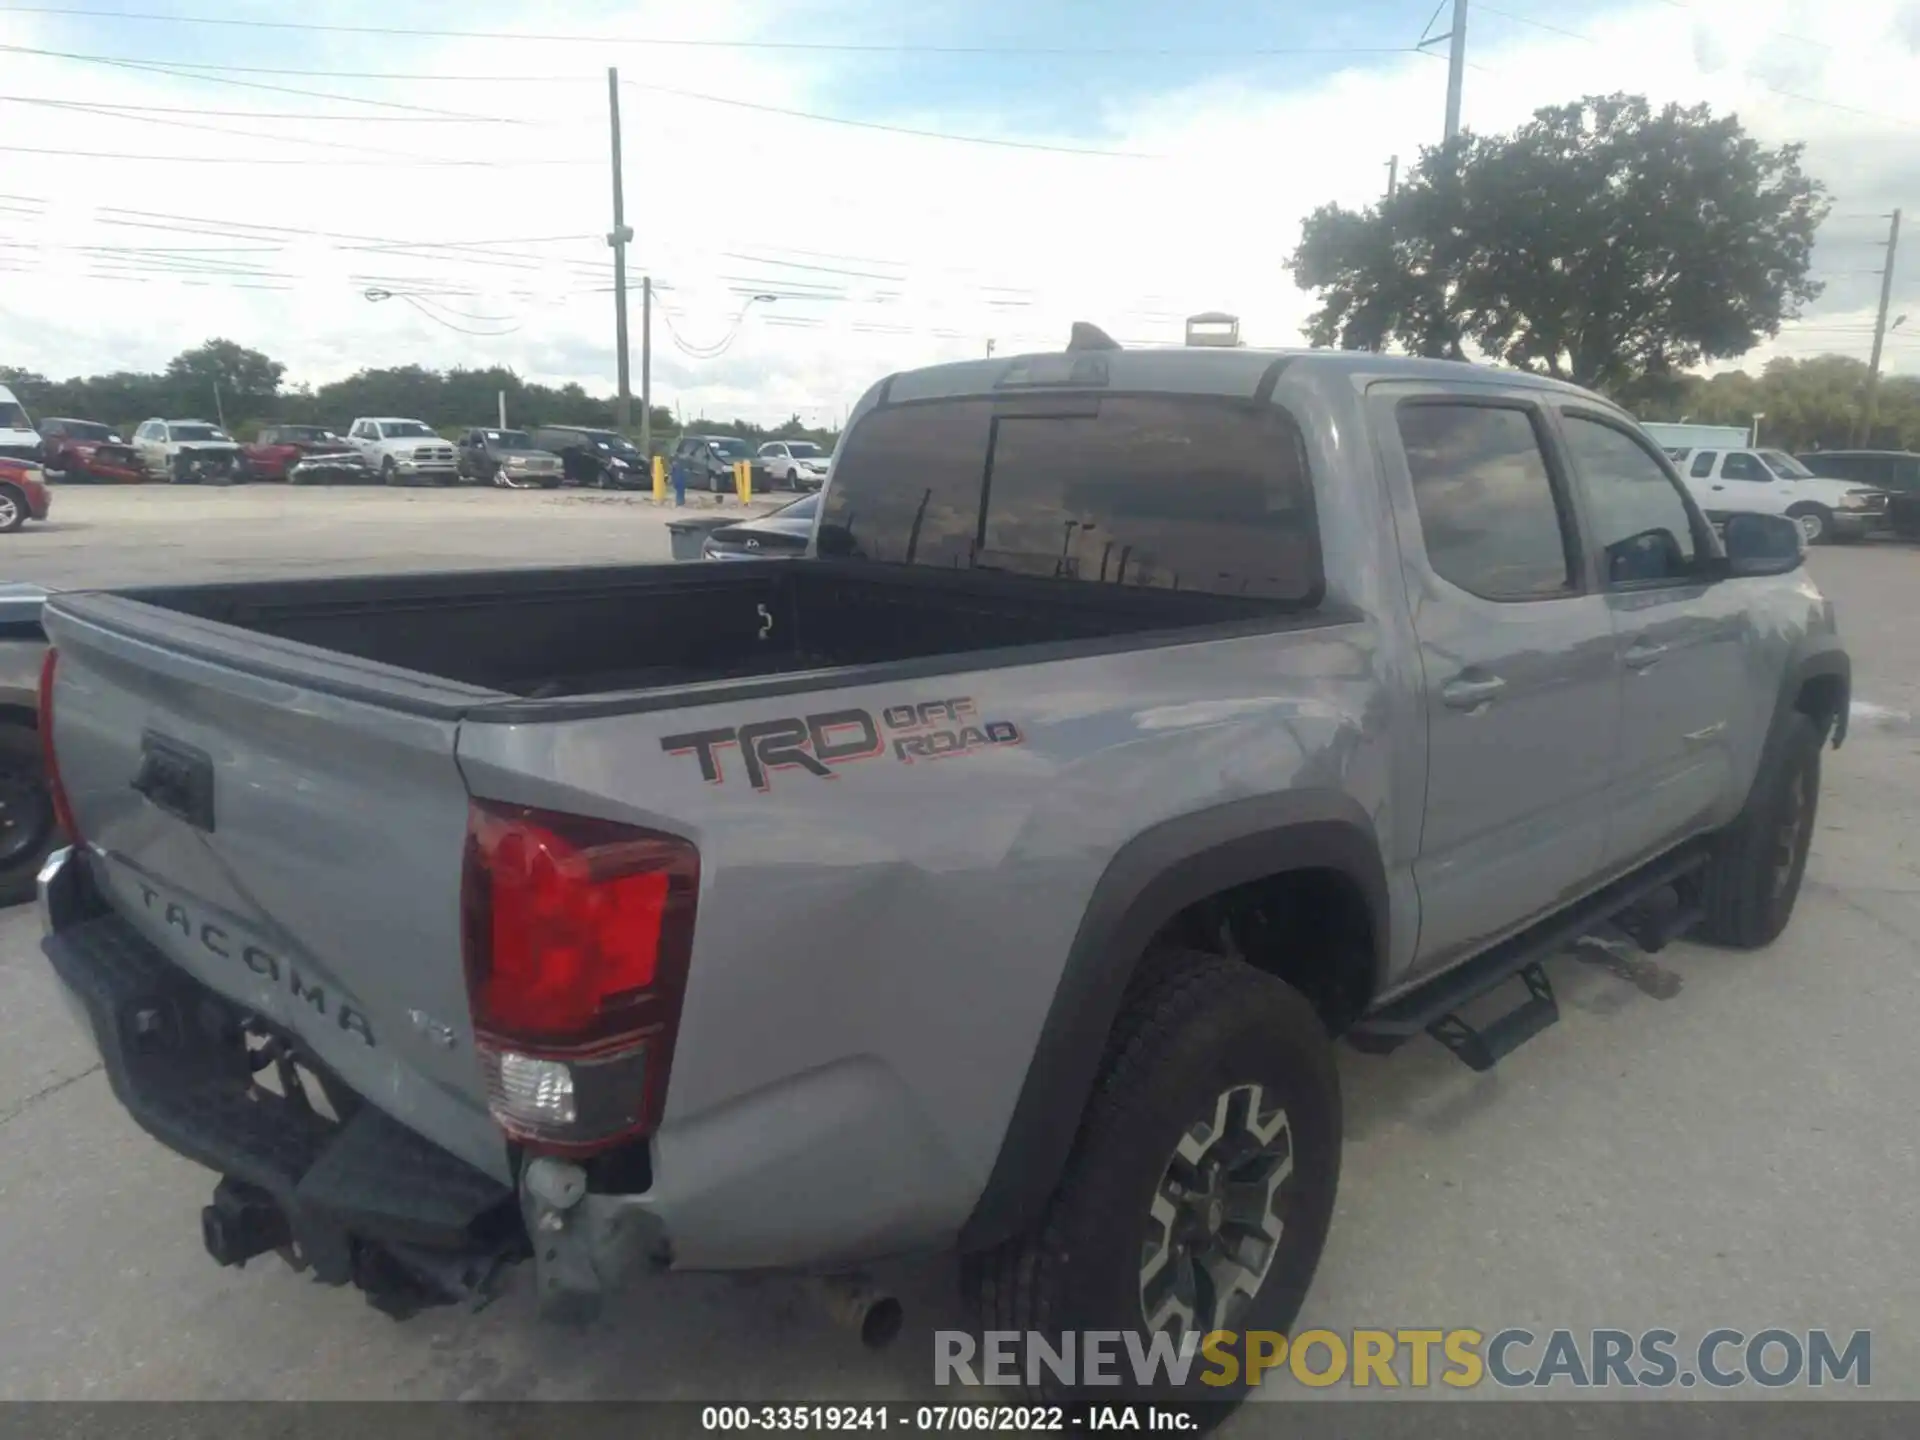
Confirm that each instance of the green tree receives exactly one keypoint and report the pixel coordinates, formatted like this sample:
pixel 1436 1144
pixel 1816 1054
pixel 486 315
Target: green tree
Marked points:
pixel 247 382
pixel 1602 242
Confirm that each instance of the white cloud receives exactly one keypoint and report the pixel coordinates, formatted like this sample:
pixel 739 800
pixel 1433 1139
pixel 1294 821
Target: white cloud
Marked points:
pixel 928 228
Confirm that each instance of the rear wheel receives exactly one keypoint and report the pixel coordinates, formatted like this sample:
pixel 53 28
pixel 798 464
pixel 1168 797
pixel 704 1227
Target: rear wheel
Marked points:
pixel 28 830
pixel 1750 886
pixel 1198 1193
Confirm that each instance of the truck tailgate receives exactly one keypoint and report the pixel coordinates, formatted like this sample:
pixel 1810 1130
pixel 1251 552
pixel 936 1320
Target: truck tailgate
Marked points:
pixel 287 826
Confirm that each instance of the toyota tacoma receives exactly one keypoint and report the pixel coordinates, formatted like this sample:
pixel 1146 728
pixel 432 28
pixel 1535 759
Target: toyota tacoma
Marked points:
pixel 995 875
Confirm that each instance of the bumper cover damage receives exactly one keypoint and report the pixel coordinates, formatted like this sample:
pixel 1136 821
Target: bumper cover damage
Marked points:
pixel 354 1197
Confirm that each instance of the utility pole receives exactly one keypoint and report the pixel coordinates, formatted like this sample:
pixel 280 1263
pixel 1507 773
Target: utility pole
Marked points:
pixel 989 349
pixel 1867 416
pixel 1393 174
pixel 1456 67
pixel 220 411
pixel 500 398
pixel 623 403
pixel 646 368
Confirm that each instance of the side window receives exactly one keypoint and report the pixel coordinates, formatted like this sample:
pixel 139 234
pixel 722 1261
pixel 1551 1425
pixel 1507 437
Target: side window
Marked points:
pixel 1641 523
pixel 1703 464
pixel 1488 512
pixel 1739 465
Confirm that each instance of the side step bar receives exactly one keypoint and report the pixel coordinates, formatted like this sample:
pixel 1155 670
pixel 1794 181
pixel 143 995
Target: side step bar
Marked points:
pixel 1432 1005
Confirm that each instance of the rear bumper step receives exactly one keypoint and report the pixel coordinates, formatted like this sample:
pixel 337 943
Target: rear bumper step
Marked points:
pixel 362 1200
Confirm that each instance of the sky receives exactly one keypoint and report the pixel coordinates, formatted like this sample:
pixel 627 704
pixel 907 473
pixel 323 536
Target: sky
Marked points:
pixel 1129 162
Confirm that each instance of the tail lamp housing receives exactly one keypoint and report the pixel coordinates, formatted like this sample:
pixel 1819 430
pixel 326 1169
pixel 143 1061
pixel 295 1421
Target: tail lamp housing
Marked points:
pixel 577 934
pixel 62 808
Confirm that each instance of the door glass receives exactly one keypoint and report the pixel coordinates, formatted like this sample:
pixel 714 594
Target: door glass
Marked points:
pixel 1703 464
pixel 1491 521
pixel 1741 466
pixel 1641 523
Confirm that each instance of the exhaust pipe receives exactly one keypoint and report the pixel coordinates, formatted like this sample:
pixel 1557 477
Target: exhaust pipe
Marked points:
pixel 855 1302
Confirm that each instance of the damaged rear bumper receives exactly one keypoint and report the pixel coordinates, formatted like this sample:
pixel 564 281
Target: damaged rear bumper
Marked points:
pixel 354 1196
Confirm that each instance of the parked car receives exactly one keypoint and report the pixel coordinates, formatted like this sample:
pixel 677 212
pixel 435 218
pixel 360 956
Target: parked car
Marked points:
pixel 778 534
pixel 18 439
pixel 1895 471
pixel 188 452
pixel 23 494
pixel 28 829
pixel 88 450
pixel 1772 482
pixel 404 452
pixel 278 450
pixel 996 875
pixel 710 460
pixel 603 458
pixel 796 464
pixel 507 458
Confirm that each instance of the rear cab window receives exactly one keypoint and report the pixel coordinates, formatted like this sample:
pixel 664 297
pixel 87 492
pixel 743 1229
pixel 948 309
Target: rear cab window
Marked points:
pixel 1148 491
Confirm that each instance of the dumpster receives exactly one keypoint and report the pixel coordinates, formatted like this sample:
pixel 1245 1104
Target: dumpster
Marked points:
pixel 690 532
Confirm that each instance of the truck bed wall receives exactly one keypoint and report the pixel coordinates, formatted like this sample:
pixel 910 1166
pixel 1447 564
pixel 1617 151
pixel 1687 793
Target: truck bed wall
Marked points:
pixel 550 633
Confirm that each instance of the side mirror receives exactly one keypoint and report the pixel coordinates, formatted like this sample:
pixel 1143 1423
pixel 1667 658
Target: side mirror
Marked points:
pixel 1762 545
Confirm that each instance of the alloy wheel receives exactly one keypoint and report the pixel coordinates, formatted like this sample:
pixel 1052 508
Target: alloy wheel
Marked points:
pixel 1216 1221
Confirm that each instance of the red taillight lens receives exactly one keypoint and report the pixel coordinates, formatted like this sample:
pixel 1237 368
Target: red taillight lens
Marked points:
pixel 62 810
pixel 578 932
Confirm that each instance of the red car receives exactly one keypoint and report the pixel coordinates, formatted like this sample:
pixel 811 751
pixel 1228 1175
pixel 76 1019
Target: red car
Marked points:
pixel 88 450
pixel 279 448
pixel 23 494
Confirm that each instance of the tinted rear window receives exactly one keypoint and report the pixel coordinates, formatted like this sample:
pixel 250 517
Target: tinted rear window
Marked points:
pixel 1162 492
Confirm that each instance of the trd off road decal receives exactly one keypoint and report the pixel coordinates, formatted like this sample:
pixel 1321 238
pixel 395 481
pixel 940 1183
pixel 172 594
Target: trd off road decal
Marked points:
pixel 927 730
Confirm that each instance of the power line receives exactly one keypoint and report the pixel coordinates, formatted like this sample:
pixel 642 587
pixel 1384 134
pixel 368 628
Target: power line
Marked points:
pixel 112 112
pixel 303 160
pixel 1749 77
pixel 710 43
pixel 302 115
pixel 755 105
pixel 182 74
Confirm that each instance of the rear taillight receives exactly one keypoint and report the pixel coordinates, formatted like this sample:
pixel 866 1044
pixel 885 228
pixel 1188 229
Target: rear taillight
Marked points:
pixel 577 934
pixel 62 811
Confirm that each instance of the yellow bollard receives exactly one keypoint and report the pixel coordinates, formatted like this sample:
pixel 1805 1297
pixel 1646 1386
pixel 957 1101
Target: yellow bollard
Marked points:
pixel 743 480
pixel 659 479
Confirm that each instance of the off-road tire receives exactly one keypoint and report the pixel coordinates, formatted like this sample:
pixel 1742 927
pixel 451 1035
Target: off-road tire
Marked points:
pixel 1749 888
pixel 1195 1026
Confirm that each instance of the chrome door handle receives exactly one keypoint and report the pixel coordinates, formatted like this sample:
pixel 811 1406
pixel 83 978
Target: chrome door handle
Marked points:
pixel 1639 657
pixel 1470 694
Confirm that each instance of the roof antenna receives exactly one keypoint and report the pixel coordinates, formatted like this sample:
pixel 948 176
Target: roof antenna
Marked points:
pixel 1087 336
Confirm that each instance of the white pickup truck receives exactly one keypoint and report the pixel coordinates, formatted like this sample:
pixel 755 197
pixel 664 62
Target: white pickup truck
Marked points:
pixel 1772 482
pixel 404 452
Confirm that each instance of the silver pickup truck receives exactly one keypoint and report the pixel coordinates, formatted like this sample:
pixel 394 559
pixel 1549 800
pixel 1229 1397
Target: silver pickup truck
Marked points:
pixel 996 875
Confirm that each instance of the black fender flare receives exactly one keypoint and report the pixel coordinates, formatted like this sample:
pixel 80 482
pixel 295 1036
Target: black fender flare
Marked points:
pixel 1818 657
pixel 1151 879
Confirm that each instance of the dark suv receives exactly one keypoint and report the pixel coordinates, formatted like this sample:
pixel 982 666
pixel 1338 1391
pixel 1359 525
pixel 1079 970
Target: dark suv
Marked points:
pixel 1895 471
pixel 710 460
pixel 595 457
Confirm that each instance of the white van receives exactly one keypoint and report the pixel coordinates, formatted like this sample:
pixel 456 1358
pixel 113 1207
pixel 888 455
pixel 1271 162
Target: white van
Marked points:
pixel 18 439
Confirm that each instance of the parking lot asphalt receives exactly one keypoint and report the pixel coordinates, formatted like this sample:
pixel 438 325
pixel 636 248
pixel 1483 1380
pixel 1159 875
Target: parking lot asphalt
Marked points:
pixel 144 534
pixel 1706 1139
